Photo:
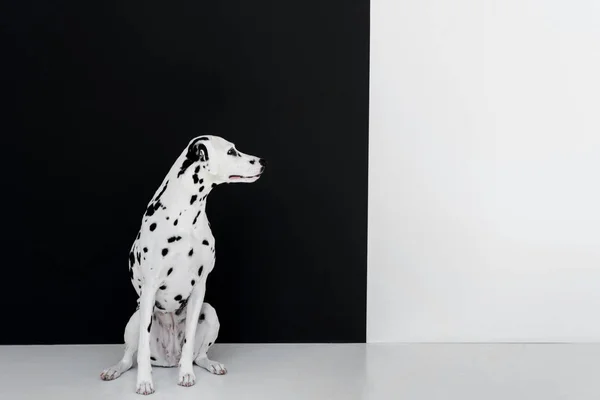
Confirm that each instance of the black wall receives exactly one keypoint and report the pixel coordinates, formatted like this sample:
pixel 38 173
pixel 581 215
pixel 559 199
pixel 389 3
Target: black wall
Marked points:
pixel 99 98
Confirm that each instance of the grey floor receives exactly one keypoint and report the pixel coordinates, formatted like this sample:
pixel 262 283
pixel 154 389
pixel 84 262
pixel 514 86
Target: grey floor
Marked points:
pixel 322 371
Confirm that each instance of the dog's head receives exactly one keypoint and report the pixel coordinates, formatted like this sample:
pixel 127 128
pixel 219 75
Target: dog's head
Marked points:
pixel 220 161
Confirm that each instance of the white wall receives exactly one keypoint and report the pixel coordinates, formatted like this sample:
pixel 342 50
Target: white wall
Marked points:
pixel 484 192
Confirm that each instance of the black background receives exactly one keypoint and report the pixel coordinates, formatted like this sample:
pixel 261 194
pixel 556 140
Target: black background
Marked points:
pixel 99 99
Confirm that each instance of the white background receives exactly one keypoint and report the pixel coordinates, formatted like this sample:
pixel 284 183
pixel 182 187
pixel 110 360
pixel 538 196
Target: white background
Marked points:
pixel 484 176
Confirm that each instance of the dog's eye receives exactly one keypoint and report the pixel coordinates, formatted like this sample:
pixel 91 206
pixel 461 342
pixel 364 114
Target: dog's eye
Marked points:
pixel 231 152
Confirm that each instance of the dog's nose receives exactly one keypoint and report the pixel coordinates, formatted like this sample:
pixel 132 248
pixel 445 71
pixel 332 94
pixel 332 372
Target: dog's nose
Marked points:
pixel 262 162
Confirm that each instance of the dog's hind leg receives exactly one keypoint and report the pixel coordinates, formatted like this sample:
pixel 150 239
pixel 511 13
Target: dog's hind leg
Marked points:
pixel 131 343
pixel 206 335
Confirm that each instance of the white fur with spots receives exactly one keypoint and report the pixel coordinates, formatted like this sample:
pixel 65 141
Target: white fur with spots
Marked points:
pixel 170 260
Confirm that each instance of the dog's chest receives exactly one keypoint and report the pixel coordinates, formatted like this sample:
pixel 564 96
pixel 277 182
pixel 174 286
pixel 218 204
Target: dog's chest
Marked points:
pixel 176 259
pixel 182 277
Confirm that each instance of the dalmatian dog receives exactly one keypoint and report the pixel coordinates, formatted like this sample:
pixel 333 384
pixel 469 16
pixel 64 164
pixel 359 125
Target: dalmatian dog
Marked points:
pixel 170 260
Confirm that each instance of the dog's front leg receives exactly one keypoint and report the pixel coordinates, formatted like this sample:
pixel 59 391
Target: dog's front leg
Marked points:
pixel 194 305
pixel 144 376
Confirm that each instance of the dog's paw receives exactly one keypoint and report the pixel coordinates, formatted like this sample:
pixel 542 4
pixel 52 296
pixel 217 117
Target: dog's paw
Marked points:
pixel 115 371
pixel 214 367
pixel 145 387
pixel 187 379
pixel 110 373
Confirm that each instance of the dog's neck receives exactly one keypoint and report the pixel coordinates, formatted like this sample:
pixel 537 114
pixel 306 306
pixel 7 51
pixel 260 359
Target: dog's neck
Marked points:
pixel 191 190
pixel 183 191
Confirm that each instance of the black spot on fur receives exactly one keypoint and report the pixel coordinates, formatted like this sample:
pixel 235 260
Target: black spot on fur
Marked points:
pixel 149 326
pixel 196 217
pixel 163 287
pixel 151 357
pixel 195 177
pixel 193 199
pixel 173 239
pixel 145 249
pixel 200 270
pixel 184 341
pixel 197 169
pixel 175 222
pixel 195 152
pixel 205 242
pixel 158 305
pixel 193 282
pixel 165 252
pixel 201 189
pixel 186 164
pixel 182 303
pixel 150 210
pixel 167 218
pixel 169 271
pixel 210 344
pixel 131 259
pixel 191 252
pixel 178 297
pixel 153 207
pixel 213 185
pixel 201 317
pixel 162 191
pixel 152 226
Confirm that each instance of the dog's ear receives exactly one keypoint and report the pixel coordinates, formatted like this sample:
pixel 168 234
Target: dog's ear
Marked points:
pixel 196 151
pixel 199 152
pixel 202 152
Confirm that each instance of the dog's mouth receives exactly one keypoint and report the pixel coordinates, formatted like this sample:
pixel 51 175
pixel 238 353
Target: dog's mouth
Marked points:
pixel 241 177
